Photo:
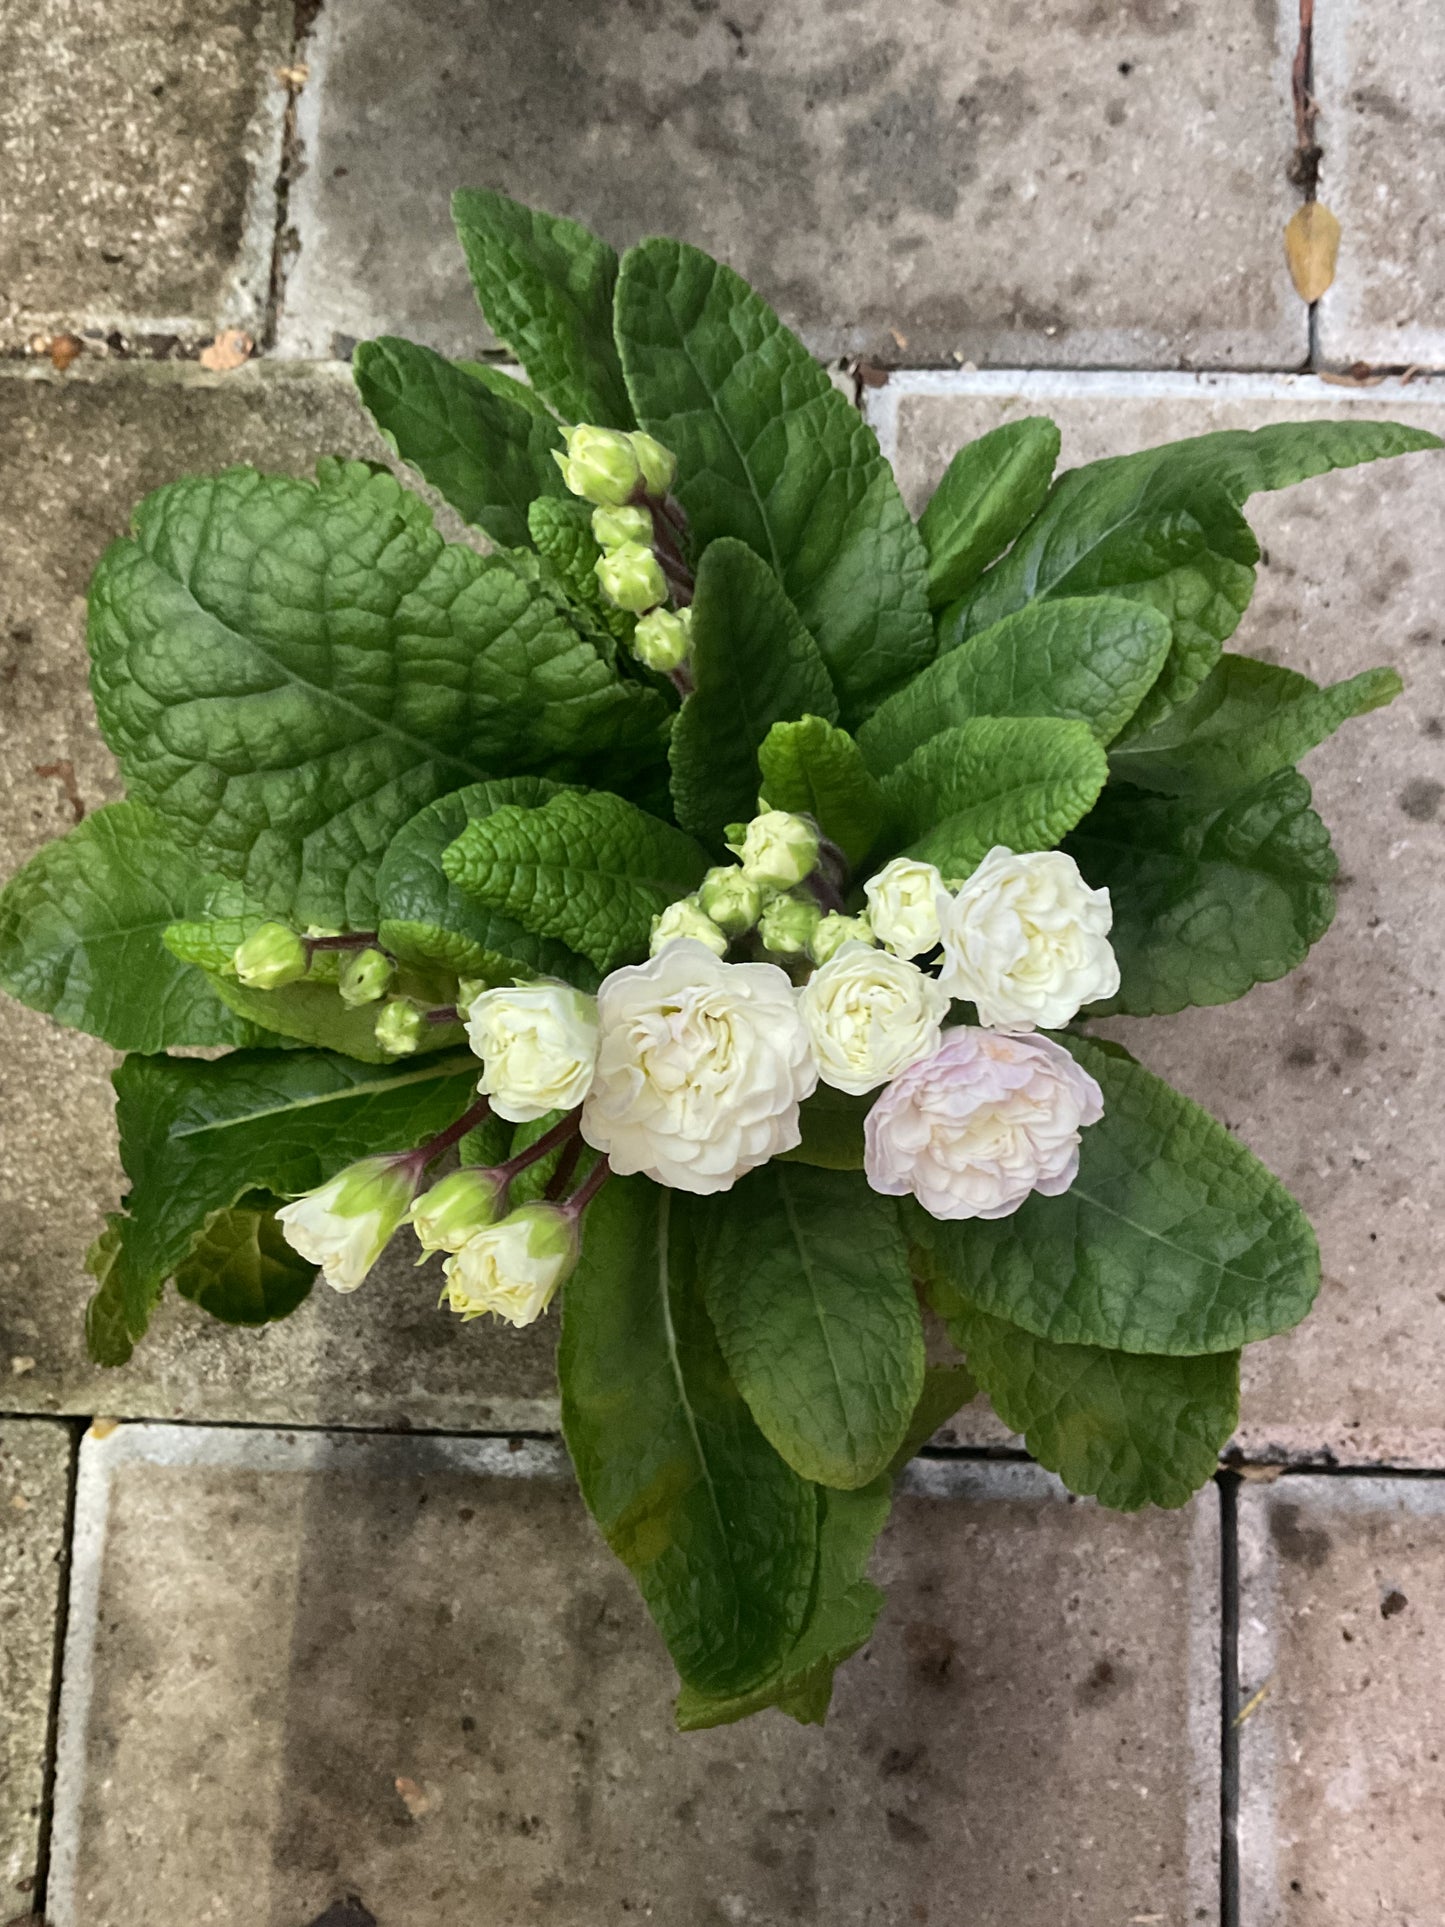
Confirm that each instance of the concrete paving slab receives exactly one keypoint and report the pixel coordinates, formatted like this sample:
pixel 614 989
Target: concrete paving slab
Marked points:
pixel 76 454
pixel 1071 185
pixel 1379 73
pixel 1342 1618
pixel 140 145
pixel 34 1499
pixel 1331 1076
pixel 305 1666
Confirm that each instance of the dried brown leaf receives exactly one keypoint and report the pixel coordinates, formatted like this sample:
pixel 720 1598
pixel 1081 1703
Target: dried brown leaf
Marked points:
pixel 1311 247
pixel 63 350
pixel 231 348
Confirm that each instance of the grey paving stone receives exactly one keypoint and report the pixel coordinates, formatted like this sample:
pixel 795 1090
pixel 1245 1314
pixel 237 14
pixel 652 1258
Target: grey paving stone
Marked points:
pixel 1076 185
pixel 1379 73
pixel 1342 1619
pixel 75 456
pixel 34 1495
pixel 302 1667
pixel 1333 1075
pixel 139 145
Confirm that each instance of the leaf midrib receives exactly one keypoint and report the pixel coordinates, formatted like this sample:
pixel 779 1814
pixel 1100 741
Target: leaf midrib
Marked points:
pixel 368 1087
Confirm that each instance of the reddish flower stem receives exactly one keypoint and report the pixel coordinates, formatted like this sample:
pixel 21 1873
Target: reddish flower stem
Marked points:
pixel 588 1189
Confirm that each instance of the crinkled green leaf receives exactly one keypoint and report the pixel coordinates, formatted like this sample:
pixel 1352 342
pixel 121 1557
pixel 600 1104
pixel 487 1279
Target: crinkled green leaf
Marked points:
pixel 1245 721
pixel 818 770
pixel 587 869
pixel 314 1014
pixel 807 1282
pixel 991 489
pixel 561 530
pixel 487 454
pixel 770 452
pixel 81 929
pixel 844 1609
pixel 1172 1239
pixel 754 665
pixel 1164 526
pixel 1210 896
pixel 196 1136
pixel 241 1269
pixel 1089 658
pixel 1023 782
pixel 107 1334
pixel 289 672
pixel 720 1535
pixel 946 1390
pixel 832 1126
pixel 545 286
pixel 1121 1427
pixel 426 919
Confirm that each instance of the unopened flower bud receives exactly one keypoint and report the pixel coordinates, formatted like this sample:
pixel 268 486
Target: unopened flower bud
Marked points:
pixel 686 918
pixel 658 464
pixel 788 925
pixel 778 849
pixel 613 527
pixel 600 465
pixel 456 1209
pixel 727 896
pixel 365 977
pixel 345 1225
pixel 400 1026
pixel 632 577
pixel 513 1269
pixel 661 640
pixel 834 931
pixel 270 958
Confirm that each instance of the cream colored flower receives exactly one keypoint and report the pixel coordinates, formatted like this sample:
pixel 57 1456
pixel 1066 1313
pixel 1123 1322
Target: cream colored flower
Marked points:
pixel 537 1043
pixel 512 1269
pixel 700 1071
pixel 777 849
pixel 346 1224
pixel 1027 941
pixel 903 906
pixel 870 1014
pixel 973 1129
pixel 687 919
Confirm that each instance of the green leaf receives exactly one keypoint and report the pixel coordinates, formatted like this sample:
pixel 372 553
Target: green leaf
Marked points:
pixel 817 770
pixel 720 1535
pixel 946 1390
pixel 754 665
pixel 1088 658
pixel 107 1336
pixel 426 919
pixel 487 454
pixel 1164 526
pixel 1172 1239
pixel 842 1616
pixel 81 930
pixel 770 452
pixel 1023 782
pixel 312 1013
pixel 289 672
pixel 832 1126
pixel 195 1137
pixel 1125 1429
pixel 990 491
pixel 241 1269
pixel 807 1283
pixel 587 869
pixel 545 286
pixel 562 532
pixel 1210 897
pixel 1246 720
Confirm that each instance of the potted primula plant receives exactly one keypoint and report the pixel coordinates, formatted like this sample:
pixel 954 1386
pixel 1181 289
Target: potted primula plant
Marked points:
pixel 725 869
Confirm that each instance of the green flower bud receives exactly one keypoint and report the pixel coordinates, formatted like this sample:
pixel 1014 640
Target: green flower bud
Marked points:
pixel 365 976
pixel 346 1224
pixel 661 640
pixel 271 957
pixel 400 1026
pixel 834 931
pixel 600 465
pixel 456 1209
pixel 778 849
pixel 613 527
pixel 787 926
pixel 685 919
pixel 727 896
pixel 658 464
pixel 632 577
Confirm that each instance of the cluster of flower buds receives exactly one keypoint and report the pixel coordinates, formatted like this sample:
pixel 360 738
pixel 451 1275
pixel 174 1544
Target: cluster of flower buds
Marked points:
pixel 627 477
pixel 776 888
pixel 275 956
